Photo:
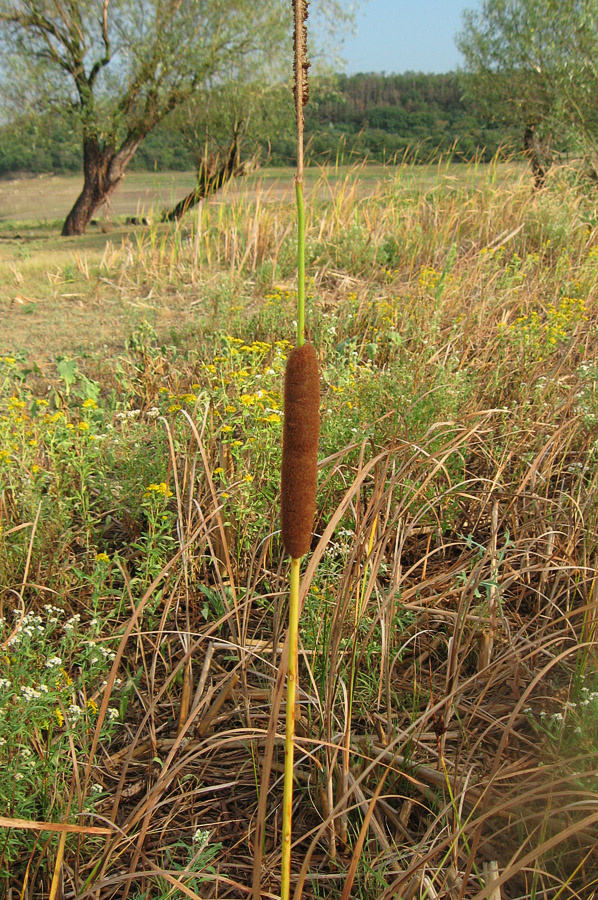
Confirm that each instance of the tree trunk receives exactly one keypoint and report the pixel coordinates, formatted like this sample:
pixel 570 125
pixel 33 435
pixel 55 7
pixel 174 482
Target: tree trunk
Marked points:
pixel 532 151
pixel 103 168
pixel 209 180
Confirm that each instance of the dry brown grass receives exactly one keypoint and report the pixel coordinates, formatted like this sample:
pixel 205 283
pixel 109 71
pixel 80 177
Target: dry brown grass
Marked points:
pixel 441 756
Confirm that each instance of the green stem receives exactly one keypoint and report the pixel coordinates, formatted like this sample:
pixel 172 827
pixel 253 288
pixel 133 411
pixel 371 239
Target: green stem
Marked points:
pixel 300 263
pixel 289 744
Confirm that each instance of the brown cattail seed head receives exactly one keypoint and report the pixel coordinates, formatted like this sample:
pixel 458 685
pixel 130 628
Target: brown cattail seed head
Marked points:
pixel 302 64
pixel 300 449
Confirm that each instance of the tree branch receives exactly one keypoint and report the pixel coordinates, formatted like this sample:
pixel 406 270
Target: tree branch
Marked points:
pixel 210 179
pixel 100 63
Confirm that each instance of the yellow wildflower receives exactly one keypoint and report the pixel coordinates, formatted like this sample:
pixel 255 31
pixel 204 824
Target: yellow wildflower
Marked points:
pixel 160 488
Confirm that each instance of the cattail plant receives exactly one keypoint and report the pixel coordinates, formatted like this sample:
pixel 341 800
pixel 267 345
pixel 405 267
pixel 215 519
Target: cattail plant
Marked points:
pixel 299 445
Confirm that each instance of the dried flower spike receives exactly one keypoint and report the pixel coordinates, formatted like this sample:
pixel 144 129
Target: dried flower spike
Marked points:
pixel 302 64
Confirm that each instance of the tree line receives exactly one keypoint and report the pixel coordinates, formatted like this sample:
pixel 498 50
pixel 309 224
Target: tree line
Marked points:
pixel 351 118
pixel 381 117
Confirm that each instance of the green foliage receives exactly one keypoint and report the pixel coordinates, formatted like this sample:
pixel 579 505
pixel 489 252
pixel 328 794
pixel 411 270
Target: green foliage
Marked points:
pixel 40 144
pixel 51 677
pixel 381 117
pixel 534 65
pixel 348 118
pixel 191 863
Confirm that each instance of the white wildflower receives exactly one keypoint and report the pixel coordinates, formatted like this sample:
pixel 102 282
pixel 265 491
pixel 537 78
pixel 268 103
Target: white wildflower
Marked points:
pixel 30 693
pixel 201 838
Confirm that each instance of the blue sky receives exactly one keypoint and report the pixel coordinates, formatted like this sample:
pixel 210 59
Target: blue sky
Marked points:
pixel 402 35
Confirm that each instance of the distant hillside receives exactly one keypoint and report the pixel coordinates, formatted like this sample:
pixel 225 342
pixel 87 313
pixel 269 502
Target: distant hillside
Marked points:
pixel 349 118
pixel 381 116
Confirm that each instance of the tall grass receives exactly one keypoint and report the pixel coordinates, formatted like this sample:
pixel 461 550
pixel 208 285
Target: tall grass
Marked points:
pixel 446 737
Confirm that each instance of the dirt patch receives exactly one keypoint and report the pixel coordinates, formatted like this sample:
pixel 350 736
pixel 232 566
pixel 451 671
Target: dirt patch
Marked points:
pixel 82 323
pixel 49 198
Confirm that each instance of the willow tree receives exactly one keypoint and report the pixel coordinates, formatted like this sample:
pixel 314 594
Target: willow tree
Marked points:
pixel 535 65
pixel 124 65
